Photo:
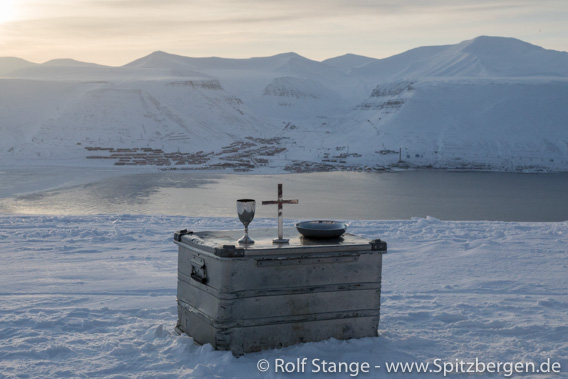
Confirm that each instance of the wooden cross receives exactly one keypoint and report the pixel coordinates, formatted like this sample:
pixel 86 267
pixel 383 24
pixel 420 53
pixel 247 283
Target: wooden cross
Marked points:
pixel 280 217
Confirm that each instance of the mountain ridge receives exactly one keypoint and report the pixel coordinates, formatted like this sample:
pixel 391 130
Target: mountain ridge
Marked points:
pixel 476 46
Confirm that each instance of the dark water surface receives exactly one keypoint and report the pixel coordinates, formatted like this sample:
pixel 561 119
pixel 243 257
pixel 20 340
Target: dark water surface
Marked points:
pixel 335 195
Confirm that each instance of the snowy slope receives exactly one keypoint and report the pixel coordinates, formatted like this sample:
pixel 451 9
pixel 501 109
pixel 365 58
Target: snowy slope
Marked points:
pixel 298 99
pixel 480 57
pixel 487 103
pixel 482 124
pixel 348 61
pixel 119 108
pixel 96 297
pixel 26 104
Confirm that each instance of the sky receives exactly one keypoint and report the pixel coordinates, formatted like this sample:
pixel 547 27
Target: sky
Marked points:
pixel 116 32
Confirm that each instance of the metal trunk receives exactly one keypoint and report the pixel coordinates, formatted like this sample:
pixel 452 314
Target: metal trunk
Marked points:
pixel 255 297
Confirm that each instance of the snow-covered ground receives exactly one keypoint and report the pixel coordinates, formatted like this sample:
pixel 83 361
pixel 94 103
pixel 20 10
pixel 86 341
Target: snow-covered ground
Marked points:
pixel 95 296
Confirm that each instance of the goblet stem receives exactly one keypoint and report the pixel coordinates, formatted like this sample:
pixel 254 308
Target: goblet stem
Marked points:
pixel 246 239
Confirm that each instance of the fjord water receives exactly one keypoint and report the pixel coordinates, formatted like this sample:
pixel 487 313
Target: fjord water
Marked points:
pixel 333 195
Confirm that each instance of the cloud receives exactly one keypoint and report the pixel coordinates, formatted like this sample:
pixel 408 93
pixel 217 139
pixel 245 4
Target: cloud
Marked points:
pixel 140 14
pixel 258 11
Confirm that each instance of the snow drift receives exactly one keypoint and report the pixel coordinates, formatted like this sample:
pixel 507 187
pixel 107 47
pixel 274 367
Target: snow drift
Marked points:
pixel 95 296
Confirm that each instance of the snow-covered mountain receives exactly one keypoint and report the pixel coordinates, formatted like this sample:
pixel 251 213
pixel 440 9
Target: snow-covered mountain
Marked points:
pixel 490 103
pixel 481 57
pixel 9 64
pixel 348 62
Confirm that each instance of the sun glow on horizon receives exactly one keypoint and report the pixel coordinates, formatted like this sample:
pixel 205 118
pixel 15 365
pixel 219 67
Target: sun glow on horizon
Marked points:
pixel 7 11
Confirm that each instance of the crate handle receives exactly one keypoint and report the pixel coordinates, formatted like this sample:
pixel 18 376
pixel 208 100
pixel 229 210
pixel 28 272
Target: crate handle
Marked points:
pixel 198 270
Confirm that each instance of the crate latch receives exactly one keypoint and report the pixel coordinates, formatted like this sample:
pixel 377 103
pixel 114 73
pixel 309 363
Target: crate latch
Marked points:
pixel 378 245
pixel 198 270
pixel 180 233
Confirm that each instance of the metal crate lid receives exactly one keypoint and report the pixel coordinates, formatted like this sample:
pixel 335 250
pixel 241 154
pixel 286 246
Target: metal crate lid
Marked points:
pixel 224 243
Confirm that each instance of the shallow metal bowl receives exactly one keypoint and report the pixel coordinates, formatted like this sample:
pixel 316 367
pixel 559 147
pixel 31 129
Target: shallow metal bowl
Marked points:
pixel 321 229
